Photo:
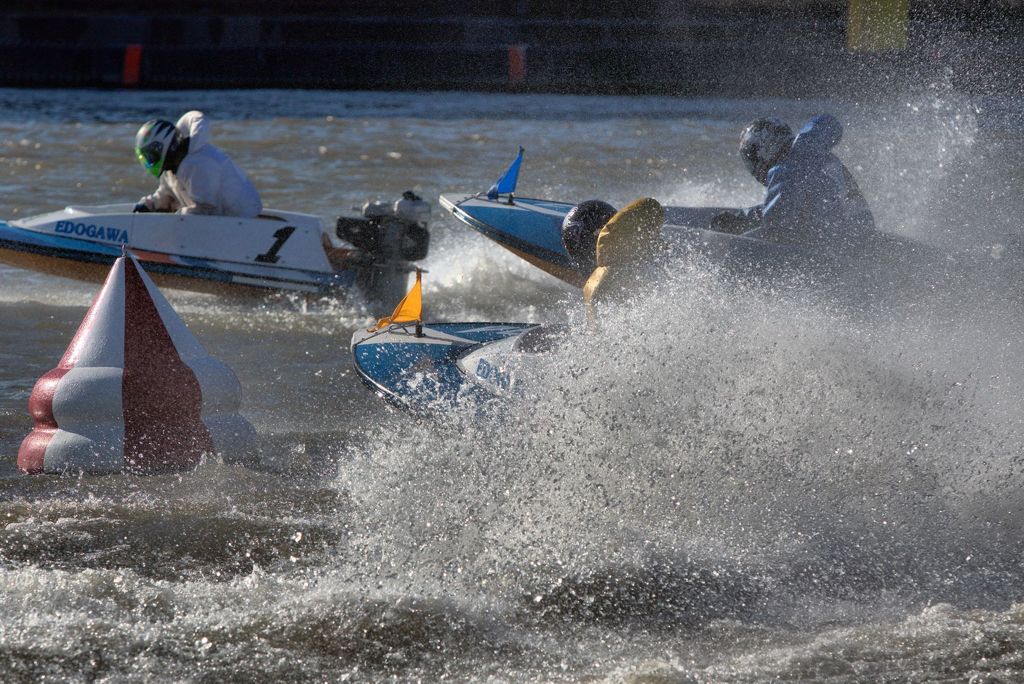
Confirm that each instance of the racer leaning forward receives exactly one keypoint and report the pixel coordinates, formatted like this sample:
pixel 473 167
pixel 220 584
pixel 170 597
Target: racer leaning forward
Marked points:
pixel 810 196
pixel 810 199
pixel 195 176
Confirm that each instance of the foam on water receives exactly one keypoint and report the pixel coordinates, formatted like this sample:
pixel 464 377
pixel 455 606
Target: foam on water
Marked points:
pixel 721 481
pixel 709 452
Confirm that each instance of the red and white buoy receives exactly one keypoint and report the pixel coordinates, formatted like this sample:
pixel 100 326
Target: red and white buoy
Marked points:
pixel 135 391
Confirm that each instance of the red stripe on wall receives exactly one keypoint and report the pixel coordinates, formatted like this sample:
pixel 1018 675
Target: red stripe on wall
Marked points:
pixel 516 63
pixel 162 400
pixel 132 66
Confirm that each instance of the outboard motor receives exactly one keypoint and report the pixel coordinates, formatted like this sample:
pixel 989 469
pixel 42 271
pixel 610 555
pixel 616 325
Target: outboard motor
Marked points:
pixel 390 231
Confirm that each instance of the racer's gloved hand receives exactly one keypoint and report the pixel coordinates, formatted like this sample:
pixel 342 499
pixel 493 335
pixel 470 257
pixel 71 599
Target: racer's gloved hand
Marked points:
pixel 727 222
pixel 141 208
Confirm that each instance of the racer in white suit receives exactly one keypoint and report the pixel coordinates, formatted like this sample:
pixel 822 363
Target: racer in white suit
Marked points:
pixel 195 176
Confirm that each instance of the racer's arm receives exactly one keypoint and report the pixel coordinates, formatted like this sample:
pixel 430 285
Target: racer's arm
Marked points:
pixel 761 220
pixel 738 220
pixel 781 210
pixel 161 200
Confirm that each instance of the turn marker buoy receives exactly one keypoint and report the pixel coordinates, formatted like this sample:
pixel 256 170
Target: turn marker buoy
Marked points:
pixel 135 391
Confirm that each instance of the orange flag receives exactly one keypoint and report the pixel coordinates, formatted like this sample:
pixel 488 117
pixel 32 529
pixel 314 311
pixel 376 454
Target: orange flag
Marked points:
pixel 410 309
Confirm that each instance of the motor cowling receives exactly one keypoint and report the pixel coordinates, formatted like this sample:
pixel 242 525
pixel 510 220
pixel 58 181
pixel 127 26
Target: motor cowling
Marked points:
pixel 390 231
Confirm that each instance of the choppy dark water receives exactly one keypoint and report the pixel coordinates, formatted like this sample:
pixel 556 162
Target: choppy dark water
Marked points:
pixel 727 484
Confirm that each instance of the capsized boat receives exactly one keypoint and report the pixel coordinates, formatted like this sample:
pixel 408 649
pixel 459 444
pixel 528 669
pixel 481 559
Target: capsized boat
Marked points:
pixel 279 250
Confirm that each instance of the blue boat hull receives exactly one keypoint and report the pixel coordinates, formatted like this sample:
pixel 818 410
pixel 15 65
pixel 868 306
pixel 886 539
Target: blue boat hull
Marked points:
pixel 422 371
pixel 532 229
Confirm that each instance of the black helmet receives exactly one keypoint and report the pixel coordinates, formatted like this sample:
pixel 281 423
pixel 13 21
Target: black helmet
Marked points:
pixel 763 144
pixel 579 231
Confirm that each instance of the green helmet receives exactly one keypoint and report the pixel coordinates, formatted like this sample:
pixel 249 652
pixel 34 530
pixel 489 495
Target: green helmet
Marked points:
pixel 152 143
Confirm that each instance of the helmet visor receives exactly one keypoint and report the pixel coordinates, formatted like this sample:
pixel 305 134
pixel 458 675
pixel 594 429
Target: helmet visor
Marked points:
pixel 151 157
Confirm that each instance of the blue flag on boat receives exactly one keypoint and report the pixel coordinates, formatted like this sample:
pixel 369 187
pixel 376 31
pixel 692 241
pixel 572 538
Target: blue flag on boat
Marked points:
pixel 507 183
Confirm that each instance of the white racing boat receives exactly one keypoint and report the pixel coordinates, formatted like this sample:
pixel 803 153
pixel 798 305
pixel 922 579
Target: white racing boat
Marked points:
pixel 279 250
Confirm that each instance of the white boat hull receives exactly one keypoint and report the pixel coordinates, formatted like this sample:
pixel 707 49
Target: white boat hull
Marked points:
pixel 277 251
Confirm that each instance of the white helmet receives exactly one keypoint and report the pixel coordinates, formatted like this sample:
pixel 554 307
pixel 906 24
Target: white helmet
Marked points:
pixel 153 142
pixel 763 144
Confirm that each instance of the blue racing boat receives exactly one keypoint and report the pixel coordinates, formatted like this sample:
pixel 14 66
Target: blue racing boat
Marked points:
pixel 433 365
pixel 422 366
pixel 532 229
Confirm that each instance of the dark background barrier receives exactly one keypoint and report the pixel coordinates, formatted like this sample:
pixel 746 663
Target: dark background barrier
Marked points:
pixel 728 47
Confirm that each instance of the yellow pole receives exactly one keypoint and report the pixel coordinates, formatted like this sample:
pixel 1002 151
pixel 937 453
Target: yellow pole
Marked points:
pixel 876 25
